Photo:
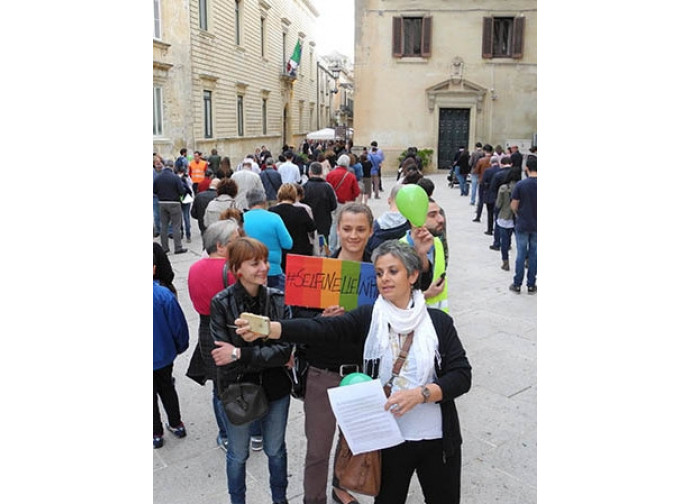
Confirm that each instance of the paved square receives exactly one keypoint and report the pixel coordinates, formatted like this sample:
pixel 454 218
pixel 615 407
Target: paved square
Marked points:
pixel 498 416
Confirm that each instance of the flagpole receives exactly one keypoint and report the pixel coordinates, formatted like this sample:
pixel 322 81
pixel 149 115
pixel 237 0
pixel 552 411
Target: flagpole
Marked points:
pixel 291 70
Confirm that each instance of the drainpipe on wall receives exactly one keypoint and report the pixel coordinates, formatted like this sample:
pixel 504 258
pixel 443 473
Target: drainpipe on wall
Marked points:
pixel 491 111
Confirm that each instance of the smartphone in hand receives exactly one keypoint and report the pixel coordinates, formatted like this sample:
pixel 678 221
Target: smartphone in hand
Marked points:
pixel 257 323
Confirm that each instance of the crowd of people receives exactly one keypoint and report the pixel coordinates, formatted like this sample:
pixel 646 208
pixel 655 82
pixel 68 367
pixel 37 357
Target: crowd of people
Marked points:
pixel 506 184
pixel 314 201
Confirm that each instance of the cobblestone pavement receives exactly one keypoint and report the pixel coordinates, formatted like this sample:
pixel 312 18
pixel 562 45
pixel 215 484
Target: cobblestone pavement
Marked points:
pixel 498 416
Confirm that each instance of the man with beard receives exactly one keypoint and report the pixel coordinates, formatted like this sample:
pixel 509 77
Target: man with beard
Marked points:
pixel 436 294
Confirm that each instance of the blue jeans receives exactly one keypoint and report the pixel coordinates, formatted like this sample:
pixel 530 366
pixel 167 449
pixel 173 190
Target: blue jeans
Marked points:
pixel 480 203
pixel 186 207
pixel 464 189
pixel 526 248
pixel 221 417
pixel 497 232
pixel 273 426
pixel 504 238
pixel 474 181
pixel 255 429
pixel 462 181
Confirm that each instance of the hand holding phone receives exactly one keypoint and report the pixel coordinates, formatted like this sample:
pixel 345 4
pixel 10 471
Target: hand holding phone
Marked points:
pixel 441 278
pixel 258 324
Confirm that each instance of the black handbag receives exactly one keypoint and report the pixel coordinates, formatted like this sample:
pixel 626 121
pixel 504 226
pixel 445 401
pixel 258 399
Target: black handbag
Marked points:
pixel 244 402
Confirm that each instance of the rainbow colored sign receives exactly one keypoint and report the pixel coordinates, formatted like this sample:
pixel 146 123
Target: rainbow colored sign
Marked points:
pixel 319 282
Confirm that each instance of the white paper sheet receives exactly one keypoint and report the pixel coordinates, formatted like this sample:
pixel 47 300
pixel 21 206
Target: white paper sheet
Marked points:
pixel 360 414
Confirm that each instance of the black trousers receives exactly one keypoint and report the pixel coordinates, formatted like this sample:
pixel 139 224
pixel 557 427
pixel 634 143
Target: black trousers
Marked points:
pixel 490 217
pixel 164 387
pixel 439 478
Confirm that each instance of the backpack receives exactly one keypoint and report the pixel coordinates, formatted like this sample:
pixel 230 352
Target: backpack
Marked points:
pixel 178 164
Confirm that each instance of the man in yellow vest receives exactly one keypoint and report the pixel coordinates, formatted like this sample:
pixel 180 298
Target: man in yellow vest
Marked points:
pixel 437 294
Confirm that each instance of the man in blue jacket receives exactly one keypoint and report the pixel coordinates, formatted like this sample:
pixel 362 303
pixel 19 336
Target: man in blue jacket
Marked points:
pixel 170 338
pixel 170 189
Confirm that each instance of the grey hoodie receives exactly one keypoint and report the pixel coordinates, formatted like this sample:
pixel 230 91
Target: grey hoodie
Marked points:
pixel 389 226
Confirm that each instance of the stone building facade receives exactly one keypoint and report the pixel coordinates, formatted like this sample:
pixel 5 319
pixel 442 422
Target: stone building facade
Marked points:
pixel 173 120
pixel 325 97
pixel 220 79
pixel 439 74
pixel 335 91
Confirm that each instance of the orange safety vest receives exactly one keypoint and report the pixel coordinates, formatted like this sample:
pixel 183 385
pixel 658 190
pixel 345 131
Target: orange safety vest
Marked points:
pixel 197 170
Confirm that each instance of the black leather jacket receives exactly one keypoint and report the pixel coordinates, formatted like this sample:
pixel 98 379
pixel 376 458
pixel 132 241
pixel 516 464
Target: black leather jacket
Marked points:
pixel 260 361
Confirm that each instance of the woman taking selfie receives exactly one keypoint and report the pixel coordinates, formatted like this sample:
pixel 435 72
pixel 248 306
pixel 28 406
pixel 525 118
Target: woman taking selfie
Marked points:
pixel 435 372
pixel 260 362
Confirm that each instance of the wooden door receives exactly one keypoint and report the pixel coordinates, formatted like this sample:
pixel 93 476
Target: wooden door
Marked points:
pixel 453 131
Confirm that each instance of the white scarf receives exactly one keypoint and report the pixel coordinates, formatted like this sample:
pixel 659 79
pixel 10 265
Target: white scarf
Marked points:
pixel 401 321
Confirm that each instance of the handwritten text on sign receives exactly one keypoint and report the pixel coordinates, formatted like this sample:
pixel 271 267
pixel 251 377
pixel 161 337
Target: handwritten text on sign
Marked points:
pixel 319 282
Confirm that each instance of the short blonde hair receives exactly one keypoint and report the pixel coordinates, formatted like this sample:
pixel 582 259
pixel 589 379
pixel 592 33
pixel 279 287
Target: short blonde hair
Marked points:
pixel 287 192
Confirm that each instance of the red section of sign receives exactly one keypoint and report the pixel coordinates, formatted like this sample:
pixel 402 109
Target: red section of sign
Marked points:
pixel 296 268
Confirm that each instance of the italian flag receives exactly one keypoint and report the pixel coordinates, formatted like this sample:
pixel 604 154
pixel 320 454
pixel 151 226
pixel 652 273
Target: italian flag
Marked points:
pixel 294 59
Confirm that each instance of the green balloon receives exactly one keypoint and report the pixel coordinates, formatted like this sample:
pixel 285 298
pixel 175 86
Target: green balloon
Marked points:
pixel 413 203
pixel 353 378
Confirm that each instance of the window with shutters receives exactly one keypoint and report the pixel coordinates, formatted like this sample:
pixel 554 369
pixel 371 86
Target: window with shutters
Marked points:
pixel 411 37
pixel 503 37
